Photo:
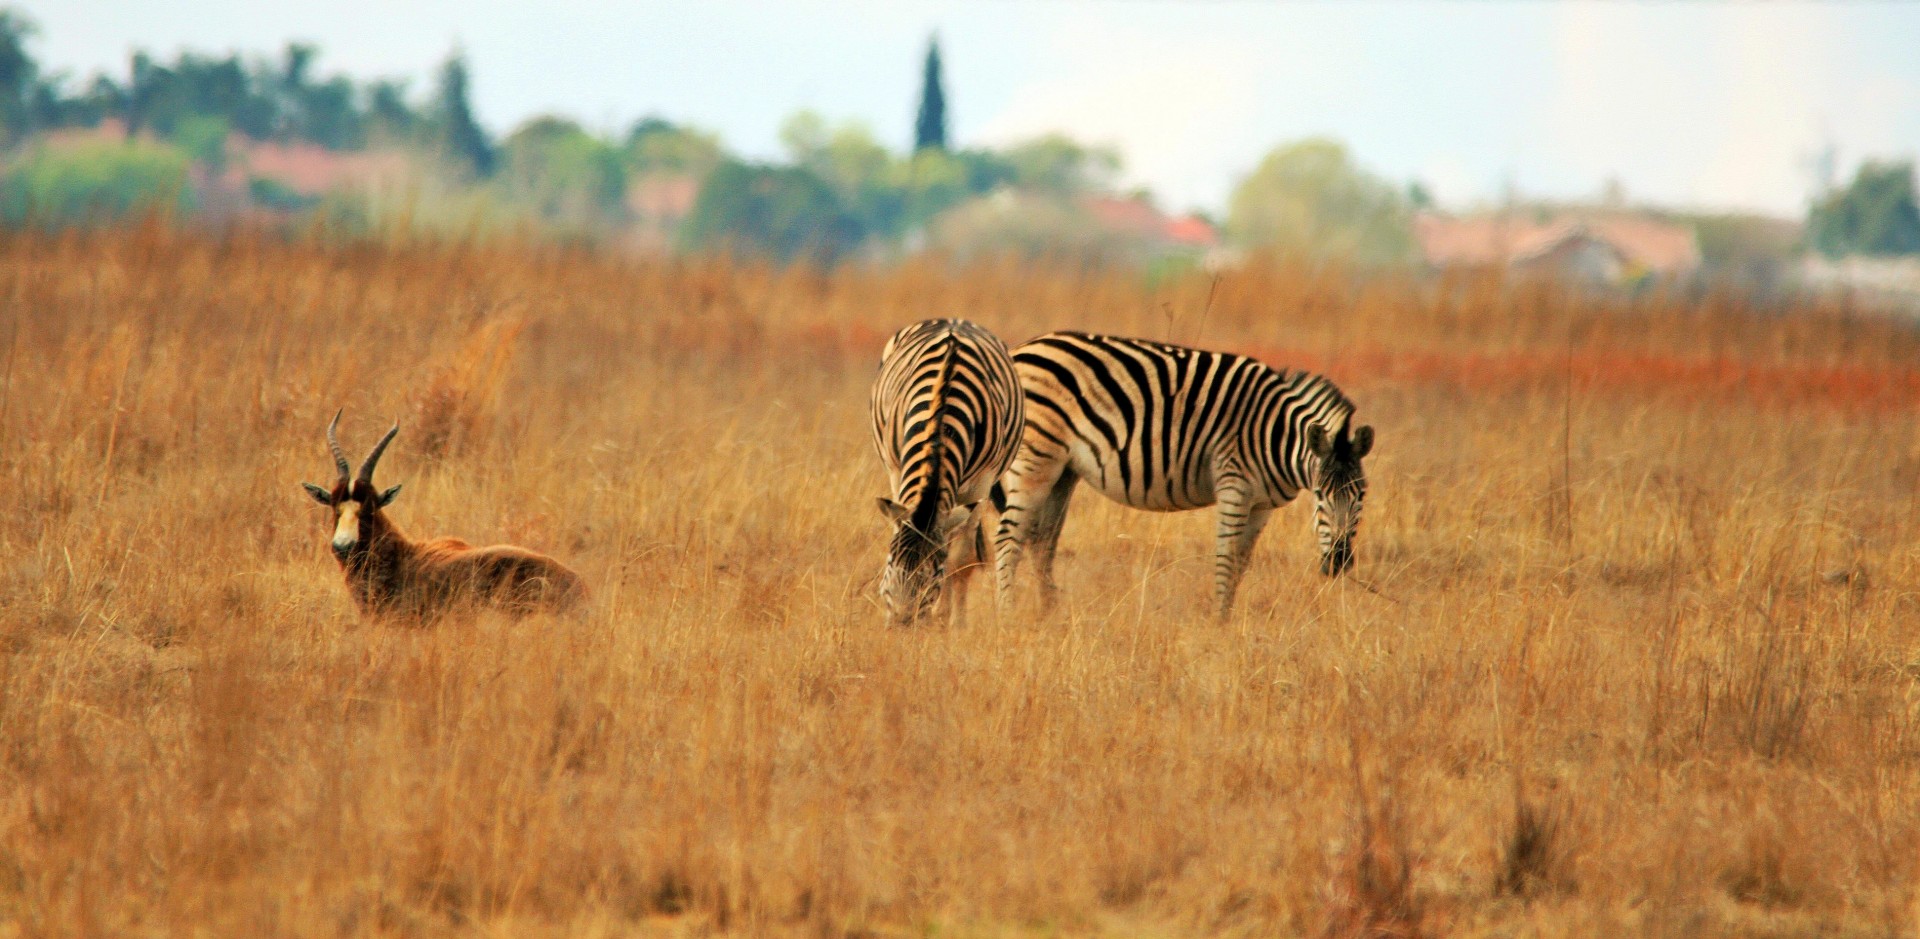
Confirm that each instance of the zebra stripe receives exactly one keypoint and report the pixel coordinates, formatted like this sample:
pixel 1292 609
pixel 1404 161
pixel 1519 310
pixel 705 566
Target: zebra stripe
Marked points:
pixel 947 419
pixel 1168 428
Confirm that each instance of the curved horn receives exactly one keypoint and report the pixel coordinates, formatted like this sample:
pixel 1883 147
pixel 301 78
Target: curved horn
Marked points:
pixel 366 469
pixel 333 443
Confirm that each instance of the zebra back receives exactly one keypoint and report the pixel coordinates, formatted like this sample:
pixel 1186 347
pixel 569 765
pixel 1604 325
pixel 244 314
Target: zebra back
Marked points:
pixel 947 416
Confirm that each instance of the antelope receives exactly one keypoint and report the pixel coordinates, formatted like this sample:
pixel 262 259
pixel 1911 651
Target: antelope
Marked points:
pixel 391 576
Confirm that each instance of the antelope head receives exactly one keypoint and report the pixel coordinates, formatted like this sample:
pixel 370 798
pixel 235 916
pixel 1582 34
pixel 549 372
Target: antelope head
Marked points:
pixel 355 503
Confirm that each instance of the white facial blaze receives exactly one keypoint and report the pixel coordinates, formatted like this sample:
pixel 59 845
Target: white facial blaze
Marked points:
pixel 346 530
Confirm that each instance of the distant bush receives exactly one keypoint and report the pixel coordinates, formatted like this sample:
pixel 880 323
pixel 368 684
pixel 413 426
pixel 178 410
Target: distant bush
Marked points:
pixel 782 212
pixel 1032 227
pixel 274 194
pixel 95 183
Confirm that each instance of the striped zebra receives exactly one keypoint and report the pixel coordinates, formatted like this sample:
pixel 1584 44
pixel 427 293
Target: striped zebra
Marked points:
pixel 947 418
pixel 1168 428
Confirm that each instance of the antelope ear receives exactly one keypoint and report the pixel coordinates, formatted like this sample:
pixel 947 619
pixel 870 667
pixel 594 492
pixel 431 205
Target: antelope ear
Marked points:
pixel 894 511
pixel 1362 442
pixel 386 498
pixel 1318 442
pixel 956 517
pixel 322 496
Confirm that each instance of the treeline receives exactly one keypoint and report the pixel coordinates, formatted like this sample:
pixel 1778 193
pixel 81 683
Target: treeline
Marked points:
pixel 196 100
pixel 840 191
pixel 188 131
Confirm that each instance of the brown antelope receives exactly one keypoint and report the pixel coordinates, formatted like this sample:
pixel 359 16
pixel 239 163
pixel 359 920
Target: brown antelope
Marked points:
pixel 391 576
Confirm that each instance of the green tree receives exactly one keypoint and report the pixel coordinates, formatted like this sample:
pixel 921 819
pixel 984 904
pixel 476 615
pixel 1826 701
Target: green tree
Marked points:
pixel 1875 214
pixel 94 183
pixel 1311 198
pixel 930 125
pixel 847 157
pixel 566 175
pixel 657 145
pixel 1058 165
pixel 203 138
pixel 18 75
pixel 462 137
pixel 783 212
pixel 389 118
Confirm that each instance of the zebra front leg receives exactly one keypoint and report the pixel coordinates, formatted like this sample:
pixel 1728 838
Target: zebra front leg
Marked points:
pixel 1049 517
pixel 968 555
pixel 1240 525
pixel 1018 495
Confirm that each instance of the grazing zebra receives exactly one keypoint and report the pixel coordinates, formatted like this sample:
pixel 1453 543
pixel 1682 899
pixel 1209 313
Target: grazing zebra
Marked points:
pixel 1167 428
pixel 947 417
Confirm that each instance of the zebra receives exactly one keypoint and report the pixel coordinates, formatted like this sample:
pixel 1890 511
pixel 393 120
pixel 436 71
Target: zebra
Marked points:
pixel 947 419
pixel 1168 428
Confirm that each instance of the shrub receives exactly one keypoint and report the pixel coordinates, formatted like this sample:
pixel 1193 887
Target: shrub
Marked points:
pixel 95 183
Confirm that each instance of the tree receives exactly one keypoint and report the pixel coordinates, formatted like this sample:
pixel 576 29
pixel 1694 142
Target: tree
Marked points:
pixel 1875 214
pixel 930 127
pixel 389 118
pixel 657 145
pixel 1310 198
pixel 784 212
pixel 563 173
pixel 465 141
pixel 94 183
pixel 1058 165
pixel 17 76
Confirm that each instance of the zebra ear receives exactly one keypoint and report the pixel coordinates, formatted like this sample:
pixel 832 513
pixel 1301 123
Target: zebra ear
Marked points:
pixel 1318 442
pixel 1362 442
pixel 894 511
pixel 956 517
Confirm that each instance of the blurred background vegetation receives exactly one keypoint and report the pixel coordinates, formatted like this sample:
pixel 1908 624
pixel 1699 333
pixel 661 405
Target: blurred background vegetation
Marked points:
pixel 273 140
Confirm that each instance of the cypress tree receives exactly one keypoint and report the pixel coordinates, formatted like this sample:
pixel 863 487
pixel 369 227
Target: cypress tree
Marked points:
pixel 462 135
pixel 930 128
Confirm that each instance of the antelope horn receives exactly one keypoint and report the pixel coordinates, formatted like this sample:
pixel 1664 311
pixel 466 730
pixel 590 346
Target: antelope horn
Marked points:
pixel 366 469
pixel 333 443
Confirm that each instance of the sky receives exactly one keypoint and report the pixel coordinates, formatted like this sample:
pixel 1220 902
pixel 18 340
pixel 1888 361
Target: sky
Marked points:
pixel 1693 104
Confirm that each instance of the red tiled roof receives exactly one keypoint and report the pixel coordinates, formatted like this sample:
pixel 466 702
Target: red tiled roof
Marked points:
pixel 1662 247
pixel 664 196
pixel 312 170
pixel 1192 231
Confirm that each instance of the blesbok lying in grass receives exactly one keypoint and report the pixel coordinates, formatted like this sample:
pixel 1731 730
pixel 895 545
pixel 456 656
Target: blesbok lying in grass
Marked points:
pixel 393 577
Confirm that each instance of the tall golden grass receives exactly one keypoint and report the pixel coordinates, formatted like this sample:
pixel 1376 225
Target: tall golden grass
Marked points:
pixel 1632 648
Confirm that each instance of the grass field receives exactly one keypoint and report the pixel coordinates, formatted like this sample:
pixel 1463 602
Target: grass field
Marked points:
pixel 1633 646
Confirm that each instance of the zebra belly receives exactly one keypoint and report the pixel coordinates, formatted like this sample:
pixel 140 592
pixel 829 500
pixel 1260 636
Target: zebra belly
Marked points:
pixel 1101 471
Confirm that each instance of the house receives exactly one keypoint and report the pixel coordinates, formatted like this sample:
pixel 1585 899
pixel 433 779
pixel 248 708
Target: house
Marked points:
pixel 1138 219
pixel 1595 248
pixel 310 170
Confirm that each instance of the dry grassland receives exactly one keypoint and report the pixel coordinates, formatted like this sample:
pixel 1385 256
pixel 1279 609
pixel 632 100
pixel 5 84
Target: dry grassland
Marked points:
pixel 1634 648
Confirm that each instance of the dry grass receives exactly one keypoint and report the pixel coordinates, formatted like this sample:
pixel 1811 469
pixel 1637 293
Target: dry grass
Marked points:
pixel 1642 661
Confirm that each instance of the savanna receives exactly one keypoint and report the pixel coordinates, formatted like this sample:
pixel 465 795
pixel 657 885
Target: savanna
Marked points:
pixel 1632 644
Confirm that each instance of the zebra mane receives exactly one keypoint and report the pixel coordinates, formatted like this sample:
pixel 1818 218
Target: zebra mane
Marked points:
pixel 1326 397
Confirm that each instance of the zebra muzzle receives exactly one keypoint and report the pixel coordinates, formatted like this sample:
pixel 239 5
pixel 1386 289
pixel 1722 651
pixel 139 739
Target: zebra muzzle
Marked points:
pixel 1338 560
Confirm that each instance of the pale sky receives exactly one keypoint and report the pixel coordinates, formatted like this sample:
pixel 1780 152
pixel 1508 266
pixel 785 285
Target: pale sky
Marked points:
pixel 1694 104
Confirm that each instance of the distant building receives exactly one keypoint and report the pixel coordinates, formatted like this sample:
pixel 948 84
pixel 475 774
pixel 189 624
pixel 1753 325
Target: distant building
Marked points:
pixel 1599 248
pixel 313 171
pixel 659 202
pixel 1137 218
